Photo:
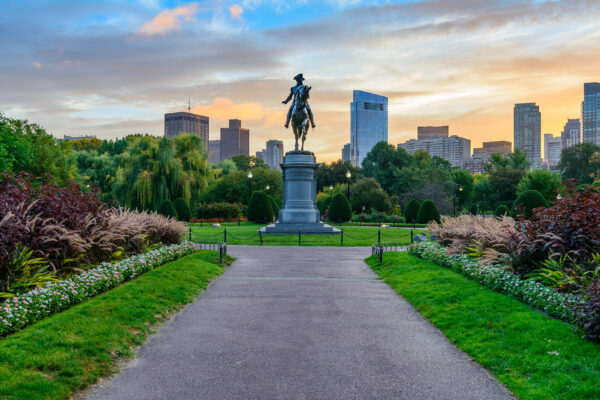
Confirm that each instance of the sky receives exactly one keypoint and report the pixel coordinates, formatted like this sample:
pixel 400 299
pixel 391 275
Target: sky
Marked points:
pixel 113 68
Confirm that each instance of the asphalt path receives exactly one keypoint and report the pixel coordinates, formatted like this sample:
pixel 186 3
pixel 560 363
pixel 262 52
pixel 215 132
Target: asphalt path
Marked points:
pixel 299 323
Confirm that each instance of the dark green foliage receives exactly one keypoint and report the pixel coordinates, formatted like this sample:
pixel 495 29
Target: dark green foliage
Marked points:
pixel 274 206
pixel 183 209
pixel 527 202
pixel 367 193
pixel 411 211
pixel 428 212
pixel 234 187
pixel 339 209
pixel 323 202
pixel 244 162
pixel 167 209
pixel 464 187
pixel 219 210
pixel 335 173
pixel 501 211
pixel 580 162
pixel 259 209
pixel 546 182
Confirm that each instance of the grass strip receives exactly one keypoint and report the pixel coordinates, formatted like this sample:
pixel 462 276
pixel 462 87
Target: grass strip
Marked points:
pixel 535 356
pixel 70 350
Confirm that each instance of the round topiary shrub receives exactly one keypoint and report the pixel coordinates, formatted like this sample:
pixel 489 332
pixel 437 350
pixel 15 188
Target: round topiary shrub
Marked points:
pixel 411 211
pixel 527 202
pixel 339 209
pixel 183 209
pixel 167 209
pixel 428 212
pixel 274 206
pixel 259 208
pixel 501 211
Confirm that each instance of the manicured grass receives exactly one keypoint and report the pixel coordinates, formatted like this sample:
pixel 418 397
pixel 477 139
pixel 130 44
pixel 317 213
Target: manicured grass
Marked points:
pixel 70 350
pixel 535 356
pixel 246 234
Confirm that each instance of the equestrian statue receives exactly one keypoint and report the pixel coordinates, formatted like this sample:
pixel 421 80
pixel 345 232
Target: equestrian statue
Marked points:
pixel 299 113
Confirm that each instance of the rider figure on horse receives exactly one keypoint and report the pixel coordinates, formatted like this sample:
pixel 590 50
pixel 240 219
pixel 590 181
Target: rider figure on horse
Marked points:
pixel 299 78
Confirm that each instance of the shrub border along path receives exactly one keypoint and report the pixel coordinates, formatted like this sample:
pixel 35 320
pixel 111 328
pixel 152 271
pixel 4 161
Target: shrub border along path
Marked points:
pixel 536 356
pixel 72 349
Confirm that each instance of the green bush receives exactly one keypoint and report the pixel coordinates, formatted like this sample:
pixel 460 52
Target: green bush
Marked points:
pixel 411 211
pixel 167 209
pixel 527 202
pixel 501 211
pixel 428 212
pixel 323 203
pixel 219 210
pixel 183 209
pixel 339 209
pixel 367 195
pixel 259 207
pixel 274 206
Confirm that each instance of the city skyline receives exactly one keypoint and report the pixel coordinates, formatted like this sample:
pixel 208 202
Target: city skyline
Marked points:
pixel 115 68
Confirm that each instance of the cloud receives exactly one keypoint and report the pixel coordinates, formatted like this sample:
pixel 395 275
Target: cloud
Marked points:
pixel 168 20
pixel 224 109
pixel 235 11
pixel 37 64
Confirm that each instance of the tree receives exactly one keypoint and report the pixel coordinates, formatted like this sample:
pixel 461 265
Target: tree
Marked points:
pixel 234 188
pixel 527 202
pixel 464 180
pixel 411 211
pixel 484 195
pixel 183 209
pixel 244 162
pixel 87 144
pixel 516 160
pixel 504 181
pixel 167 209
pixel 339 209
pixel 367 193
pixel 335 173
pixel 578 162
pixel 428 212
pixel 259 208
pixel 547 183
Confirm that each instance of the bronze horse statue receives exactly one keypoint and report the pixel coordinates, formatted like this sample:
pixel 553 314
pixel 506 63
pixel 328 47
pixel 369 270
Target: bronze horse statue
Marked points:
pixel 300 117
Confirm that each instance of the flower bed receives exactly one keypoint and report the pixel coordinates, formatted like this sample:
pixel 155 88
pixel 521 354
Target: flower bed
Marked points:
pixel 32 306
pixel 535 294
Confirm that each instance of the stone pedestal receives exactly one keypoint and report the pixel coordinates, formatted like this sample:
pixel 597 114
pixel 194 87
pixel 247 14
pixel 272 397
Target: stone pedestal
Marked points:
pixel 299 212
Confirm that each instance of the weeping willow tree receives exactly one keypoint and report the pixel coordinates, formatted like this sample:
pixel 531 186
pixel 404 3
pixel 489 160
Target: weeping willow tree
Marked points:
pixel 153 169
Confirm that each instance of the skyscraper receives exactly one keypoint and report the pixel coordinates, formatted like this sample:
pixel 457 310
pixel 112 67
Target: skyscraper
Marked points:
pixel 454 149
pixel 346 152
pixel 571 134
pixel 552 150
pixel 431 132
pixel 234 140
pixel 274 153
pixel 214 151
pixel 262 155
pixel 185 122
pixel 528 131
pixel 590 112
pixel 499 146
pixel 368 124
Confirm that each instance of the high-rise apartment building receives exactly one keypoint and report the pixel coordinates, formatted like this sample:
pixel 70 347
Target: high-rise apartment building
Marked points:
pixel 527 131
pixel 346 153
pixel 590 113
pixel 432 132
pixel 368 124
pixel 234 140
pixel 262 155
pixel 571 134
pixel 185 122
pixel 454 149
pixel 214 151
pixel 274 154
pixel 503 147
pixel 552 149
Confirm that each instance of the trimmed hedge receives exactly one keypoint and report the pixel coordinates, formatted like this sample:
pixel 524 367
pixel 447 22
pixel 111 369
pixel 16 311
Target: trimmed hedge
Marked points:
pixel 219 210
pixel 501 211
pixel 274 206
pixel 428 212
pixel 167 209
pixel 527 202
pixel 339 209
pixel 411 211
pixel 183 209
pixel 259 207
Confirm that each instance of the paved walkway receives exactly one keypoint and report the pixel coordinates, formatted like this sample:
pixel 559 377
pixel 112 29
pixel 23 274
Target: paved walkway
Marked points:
pixel 300 323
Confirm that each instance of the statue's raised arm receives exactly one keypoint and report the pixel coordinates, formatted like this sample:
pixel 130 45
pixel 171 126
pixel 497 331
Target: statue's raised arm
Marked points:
pixel 299 113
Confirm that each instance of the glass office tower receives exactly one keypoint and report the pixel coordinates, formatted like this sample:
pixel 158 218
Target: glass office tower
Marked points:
pixel 528 131
pixel 590 113
pixel 368 124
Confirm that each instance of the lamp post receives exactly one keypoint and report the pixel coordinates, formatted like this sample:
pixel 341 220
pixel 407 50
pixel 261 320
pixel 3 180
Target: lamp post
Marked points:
pixel 267 188
pixel 348 176
pixel 249 185
pixel 457 189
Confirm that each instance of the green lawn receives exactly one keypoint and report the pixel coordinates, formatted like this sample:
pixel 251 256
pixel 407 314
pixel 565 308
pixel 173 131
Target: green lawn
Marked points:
pixel 70 350
pixel 247 234
pixel 535 356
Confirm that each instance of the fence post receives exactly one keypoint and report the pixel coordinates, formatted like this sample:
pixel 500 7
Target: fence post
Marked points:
pixel 220 254
pixel 411 235
pixel 299 238
pixel 260 235
pixel 190 231
pixel 380 254
pixel 379 236
pixel 342 239
pixel 225 235
pixel 238 221
pixel 200 222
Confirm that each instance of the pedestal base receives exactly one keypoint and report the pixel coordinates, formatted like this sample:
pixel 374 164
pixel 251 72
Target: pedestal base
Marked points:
pixel 307 229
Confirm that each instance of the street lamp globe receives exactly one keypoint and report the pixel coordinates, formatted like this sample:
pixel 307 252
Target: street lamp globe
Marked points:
pixel 249 174
pixel 268 187
pixel 348 174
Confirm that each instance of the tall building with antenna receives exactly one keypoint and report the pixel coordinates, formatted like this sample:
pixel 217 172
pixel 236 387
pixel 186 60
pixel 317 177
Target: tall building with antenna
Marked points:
pixel 187 122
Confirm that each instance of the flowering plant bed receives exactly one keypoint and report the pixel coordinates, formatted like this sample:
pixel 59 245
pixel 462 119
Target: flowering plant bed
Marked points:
pixel 543 298
pixel 23 310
